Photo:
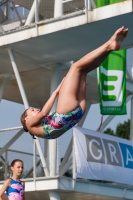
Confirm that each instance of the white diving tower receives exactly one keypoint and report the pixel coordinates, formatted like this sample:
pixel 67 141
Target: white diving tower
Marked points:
pixel 36 51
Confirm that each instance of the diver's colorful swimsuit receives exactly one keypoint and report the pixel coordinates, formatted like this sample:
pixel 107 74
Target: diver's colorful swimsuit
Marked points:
pixel 16 190
pixel 55 121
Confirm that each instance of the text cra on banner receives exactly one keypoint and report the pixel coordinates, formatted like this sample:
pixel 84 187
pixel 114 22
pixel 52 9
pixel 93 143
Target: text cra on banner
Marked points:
pixel 112 84
pixel 103 157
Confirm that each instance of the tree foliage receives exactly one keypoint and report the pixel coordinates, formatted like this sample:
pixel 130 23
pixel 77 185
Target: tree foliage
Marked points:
pixel 1 171
pixel 109 131
pixel 122 130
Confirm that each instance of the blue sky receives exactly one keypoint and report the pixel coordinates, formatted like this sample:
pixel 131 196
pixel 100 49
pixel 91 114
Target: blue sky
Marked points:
pixel 10 114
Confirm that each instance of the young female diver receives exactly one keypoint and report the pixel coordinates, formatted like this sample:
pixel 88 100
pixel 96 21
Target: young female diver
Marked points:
pixel 71 94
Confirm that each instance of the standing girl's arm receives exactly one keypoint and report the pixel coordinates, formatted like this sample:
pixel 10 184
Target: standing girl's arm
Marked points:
pixel 24 191
pixel 4 188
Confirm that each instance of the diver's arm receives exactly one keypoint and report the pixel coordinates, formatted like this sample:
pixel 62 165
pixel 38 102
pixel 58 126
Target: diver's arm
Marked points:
pixel 45 110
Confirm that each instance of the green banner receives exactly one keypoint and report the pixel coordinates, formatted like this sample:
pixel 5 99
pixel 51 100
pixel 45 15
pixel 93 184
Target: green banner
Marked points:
pixel 112 84
pixel 100 3
pixel 112 78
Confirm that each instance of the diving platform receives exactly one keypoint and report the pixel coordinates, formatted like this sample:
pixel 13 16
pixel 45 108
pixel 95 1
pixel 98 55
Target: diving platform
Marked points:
pixel 70 189
pixel 34 57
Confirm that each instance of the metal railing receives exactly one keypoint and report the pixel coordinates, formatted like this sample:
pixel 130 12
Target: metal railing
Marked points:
pixel 16 13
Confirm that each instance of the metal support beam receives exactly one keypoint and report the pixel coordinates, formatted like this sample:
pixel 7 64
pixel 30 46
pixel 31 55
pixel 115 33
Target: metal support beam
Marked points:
pixel 42 157
pixel 36 11
pixel 88 5
pixel 81 122
pixel 55 80
pixel 6 164
pixel 109 119
pixel 2 30
pixel 65 1
pixel 74 165
pixel 11 141
pixel 4 84
pixel 17 75
pixel 17 13
pixel 23 94
pixel 131 113
pixel 46 152
pixel 129 85
pixel 34 161
pixel 7 9
pixel 58 9
pixel 31 15
pixel 2 15
pixel 93 4
pixel 67 155
pixel 31 169
pixel 131 120
pixel 65 167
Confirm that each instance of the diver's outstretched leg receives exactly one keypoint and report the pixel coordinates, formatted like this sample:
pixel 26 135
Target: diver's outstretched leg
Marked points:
pixel 68 95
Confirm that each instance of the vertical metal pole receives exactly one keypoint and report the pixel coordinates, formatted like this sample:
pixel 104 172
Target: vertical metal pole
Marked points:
pixel 42 157
pixel 7 9
pixel 58 9
pixel 36 11
pixel 34 163
pixel 23 94
pixel 4 84
pixel 31 15
pixel 46 151
pixel 23 11
pixel 74 165
pixel 88 5
pixel 74 162
pixel 6 162
pixel 131 114
pixel 55 80
pixel 131 121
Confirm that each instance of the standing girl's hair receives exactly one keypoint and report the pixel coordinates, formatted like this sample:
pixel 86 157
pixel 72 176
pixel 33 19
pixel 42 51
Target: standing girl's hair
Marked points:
pixel 14 161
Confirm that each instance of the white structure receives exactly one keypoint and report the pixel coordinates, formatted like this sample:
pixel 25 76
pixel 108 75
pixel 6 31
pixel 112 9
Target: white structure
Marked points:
pixel 35 55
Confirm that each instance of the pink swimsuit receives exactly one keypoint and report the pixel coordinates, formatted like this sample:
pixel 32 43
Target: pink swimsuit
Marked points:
pixel 15 191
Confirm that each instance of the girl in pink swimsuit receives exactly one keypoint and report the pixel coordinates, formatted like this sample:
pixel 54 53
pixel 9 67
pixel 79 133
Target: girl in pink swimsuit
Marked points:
pixel 71 94
pixel 13 186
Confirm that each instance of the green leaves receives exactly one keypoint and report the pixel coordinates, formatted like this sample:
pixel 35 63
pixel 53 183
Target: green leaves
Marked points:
pixel 122 130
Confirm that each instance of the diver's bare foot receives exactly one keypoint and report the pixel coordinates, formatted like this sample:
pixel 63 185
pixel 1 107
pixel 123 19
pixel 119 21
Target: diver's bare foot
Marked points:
pixel 116 40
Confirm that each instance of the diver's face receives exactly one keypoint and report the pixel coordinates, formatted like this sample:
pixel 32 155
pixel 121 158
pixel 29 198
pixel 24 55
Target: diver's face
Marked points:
pixel 31 112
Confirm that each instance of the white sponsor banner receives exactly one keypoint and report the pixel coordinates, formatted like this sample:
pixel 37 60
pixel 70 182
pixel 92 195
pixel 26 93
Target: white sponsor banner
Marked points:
pixel 103 157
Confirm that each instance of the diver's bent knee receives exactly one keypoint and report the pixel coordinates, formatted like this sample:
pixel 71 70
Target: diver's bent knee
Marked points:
pixel 76 67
